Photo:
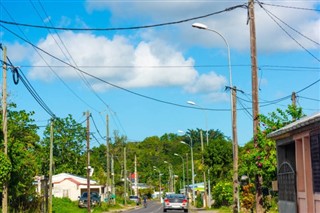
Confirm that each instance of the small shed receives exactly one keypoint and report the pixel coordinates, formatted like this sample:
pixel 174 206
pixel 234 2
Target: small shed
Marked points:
pixel 298 155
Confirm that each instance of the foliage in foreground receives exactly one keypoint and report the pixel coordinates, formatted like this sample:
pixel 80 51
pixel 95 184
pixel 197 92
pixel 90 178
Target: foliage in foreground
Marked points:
pixel 222 194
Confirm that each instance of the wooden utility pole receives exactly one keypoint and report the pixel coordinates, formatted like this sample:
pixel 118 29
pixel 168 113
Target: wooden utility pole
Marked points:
pixel 50 167
pixel 88 163
pixel 255 104
pixel 236 203
pixel 4 127
pixel 125 175
pixel 108 159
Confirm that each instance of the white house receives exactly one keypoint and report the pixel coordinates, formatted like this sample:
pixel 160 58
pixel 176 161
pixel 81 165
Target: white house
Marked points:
pixel 72 186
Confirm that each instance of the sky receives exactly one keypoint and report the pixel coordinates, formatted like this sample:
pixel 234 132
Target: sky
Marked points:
pixel 140 62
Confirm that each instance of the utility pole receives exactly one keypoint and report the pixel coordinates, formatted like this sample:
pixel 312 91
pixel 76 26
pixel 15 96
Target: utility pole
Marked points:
pixel 112 184
pixel 88 163
pixel 107 156
pixel 125 175
pixel 204 173
pixel 50 168
pixel 294 99
pixel 4 127
pixel 135 176
pixel 255 104
pixel 235 152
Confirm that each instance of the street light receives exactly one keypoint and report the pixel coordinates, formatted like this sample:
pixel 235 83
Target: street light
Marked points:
pixel 192 168
pixel 233 126
pixel 207 138
pixel 184 183
pixel 170 175
pixel 160 192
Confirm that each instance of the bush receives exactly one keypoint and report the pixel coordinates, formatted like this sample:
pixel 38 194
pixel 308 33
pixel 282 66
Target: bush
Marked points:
pixel 222 194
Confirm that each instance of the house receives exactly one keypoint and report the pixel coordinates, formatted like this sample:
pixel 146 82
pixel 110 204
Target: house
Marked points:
pixel 72 186
pixel 298 154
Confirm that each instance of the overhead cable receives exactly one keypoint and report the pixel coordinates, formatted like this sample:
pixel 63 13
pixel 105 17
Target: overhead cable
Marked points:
pixel 272 16
pixel 125 28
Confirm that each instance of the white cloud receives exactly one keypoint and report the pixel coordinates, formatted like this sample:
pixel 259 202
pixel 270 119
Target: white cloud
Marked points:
pixel 232 24
pixel 148 64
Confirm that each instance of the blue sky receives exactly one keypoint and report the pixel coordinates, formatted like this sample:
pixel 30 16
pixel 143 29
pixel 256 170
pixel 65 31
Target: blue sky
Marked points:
pixel 142 78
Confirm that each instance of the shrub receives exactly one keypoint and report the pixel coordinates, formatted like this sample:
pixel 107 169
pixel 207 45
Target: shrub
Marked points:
pixel 222 194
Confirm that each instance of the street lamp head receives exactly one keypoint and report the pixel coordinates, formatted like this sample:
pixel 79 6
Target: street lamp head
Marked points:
pixel 191 103
pixel 200 26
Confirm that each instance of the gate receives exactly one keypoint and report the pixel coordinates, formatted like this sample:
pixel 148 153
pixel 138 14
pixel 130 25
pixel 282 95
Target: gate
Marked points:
pixel 287 188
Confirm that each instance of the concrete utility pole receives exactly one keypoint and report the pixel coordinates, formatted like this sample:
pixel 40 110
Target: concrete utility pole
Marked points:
pixel 135 176
pixel 4 127
pixel 204 173
pixel 88 162
pixel 125 174
pixel 50 168
pixel 255 104
pixel 108 159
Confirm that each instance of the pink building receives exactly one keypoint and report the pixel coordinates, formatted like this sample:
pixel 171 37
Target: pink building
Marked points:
pixel 298 153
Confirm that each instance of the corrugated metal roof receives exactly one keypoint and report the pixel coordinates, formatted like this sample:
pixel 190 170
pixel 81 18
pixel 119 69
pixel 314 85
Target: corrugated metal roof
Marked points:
pixel 304 121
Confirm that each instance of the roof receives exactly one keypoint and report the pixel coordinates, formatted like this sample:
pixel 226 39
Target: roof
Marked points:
pixel 58 178
pixel 302 122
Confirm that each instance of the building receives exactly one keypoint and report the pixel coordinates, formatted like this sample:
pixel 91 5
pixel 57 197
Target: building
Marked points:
pixel 298 154
pixel 72 186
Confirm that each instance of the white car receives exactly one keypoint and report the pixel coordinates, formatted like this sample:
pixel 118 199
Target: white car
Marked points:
pixel 175 202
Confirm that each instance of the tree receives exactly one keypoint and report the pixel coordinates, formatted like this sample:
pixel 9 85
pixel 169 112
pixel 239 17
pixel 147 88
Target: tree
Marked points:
pixel 21 164
pixel 69 139
pixel 262 159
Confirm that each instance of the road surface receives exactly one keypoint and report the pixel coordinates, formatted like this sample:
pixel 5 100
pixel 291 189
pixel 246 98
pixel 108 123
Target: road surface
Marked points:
pixel 152 207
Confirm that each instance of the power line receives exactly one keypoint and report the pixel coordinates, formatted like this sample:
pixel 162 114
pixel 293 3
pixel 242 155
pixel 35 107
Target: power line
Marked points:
pixel 290 7
pixel 111 84
pixel 271 15
pixel 311 99
pixel 126 28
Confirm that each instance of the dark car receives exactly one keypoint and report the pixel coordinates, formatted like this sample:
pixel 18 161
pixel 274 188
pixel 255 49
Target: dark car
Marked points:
pixel 175 202
pixel 94 198
pixel 135 198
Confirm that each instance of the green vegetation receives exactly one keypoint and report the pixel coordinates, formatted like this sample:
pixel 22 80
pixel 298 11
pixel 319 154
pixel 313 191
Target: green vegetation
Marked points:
pixel 28 156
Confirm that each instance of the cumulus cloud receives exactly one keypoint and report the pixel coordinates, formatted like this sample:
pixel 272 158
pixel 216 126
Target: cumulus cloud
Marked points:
pixel 147 64
pixel 232 24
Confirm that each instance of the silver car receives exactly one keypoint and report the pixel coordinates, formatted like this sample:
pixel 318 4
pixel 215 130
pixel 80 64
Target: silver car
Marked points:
pixel 175 202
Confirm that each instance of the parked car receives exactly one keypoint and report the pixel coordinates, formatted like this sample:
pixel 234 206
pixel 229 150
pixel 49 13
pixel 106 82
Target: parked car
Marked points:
pixel 175 202
pixel 94 198
pixel 135 198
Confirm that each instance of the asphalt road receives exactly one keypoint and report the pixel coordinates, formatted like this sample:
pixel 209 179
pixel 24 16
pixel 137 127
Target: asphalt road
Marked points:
pixel 152 207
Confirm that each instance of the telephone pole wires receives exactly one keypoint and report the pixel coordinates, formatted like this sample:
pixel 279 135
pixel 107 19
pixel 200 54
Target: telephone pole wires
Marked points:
pixel 255 104
pixel 4 127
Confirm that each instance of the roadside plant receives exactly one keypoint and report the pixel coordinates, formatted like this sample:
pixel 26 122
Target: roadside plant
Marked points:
pixel 222 194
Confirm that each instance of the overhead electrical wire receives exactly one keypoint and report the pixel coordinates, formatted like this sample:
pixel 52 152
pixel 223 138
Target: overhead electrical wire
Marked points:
pixel 272 16
pixel 290 7
pixel 71 59
pixel 111 84
pixel 18 75
pixel 126 28
pixel 49 66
